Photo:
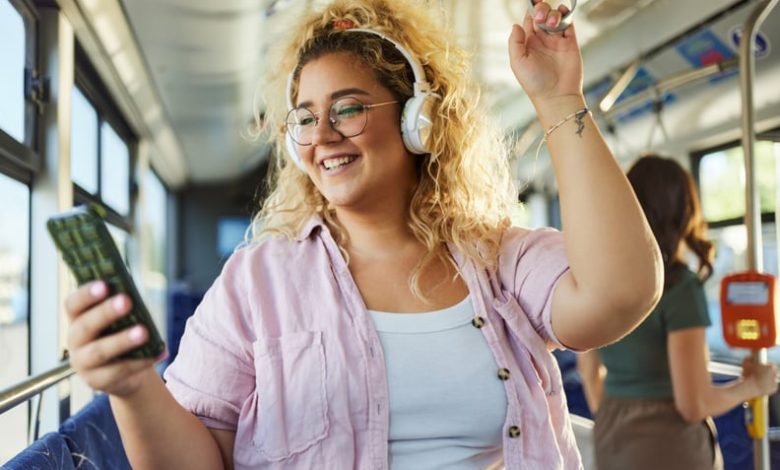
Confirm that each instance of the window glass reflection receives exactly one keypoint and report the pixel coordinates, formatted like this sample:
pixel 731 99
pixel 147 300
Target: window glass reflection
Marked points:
pixel 14 302
pixel 84 143
pixel 153 229
pixel 153 222
pixel 12 53
pixel 722 181
pixel 114 170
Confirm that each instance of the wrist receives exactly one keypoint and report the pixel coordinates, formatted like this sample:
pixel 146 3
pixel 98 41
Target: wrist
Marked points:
pixel 552 110
pixel 138 388
pixel 751 384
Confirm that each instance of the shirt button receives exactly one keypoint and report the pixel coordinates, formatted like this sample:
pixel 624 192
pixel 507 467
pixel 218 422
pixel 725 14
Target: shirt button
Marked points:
pixel 503 374
pixel 478 322
pixel 514 432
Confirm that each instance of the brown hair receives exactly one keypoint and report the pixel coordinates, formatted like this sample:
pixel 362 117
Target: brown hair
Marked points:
pixel 670 201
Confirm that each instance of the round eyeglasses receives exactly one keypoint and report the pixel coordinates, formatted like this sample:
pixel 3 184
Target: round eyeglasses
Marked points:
pixel 347 116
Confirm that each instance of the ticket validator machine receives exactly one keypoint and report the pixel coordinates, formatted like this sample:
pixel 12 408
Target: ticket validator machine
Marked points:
pixel 748 302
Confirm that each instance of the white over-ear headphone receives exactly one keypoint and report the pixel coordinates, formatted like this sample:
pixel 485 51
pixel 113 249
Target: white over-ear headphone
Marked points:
pixel 417 116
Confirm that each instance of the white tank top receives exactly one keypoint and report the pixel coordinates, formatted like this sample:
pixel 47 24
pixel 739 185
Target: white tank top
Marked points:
pixel 447 404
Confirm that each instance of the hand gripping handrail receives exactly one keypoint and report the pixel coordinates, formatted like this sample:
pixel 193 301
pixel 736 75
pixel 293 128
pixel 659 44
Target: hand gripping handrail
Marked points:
pixel 565 20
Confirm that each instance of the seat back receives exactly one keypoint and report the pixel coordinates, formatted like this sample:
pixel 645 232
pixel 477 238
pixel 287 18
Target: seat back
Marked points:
pixel 93 438
pixel 47 453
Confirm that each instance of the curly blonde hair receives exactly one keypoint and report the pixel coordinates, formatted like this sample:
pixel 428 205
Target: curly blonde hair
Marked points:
pixel 465 190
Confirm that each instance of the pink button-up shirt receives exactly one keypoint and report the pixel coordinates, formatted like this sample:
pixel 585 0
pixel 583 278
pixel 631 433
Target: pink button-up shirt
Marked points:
pixel 283 352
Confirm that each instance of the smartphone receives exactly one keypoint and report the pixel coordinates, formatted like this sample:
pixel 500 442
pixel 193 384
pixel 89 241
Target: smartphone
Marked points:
pixel 89 251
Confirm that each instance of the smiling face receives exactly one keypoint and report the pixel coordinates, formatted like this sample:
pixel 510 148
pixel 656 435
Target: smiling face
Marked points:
pixel 368 171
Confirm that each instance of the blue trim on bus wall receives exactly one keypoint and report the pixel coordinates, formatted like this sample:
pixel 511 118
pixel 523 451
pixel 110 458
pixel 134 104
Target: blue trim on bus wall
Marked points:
pixel 705 48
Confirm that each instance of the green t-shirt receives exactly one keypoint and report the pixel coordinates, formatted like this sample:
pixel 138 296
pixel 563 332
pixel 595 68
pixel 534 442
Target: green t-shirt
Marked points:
pixel 638 365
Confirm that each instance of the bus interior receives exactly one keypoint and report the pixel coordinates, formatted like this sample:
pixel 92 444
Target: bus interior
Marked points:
pixel 147 108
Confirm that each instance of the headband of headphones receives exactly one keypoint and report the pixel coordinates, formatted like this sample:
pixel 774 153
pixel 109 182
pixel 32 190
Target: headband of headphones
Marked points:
pixel 420 84
pixel 416 118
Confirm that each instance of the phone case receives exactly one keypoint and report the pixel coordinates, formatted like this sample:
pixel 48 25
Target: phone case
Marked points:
pixel 90 252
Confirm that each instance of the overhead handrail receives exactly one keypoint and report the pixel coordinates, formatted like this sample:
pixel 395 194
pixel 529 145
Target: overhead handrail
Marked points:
pixel 619 87
pixel 668 84
pixel 28 388
pixel 752 203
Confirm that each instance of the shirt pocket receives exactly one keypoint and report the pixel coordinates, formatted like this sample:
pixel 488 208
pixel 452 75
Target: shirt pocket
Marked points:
pixel 291 394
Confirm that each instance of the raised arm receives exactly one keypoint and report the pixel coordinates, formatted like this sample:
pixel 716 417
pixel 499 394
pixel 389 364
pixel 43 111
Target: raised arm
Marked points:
pixel 616 273
pixel 156 431
pixel 695 396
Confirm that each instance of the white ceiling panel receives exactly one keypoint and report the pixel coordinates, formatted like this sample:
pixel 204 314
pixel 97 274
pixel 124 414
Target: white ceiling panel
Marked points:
pixel 206 56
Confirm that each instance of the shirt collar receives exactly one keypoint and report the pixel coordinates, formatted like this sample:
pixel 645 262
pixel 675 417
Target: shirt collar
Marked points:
pixel 314 222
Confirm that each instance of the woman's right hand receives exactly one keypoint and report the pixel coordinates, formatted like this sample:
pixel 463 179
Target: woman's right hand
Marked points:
pixel 763 375
pixel 94 357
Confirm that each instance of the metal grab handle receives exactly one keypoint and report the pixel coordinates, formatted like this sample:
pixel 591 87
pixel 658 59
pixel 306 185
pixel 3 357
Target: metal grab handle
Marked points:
pixel 565 20
pixel 32 386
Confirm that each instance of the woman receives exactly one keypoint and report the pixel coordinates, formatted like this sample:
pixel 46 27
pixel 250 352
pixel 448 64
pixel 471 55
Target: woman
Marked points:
pixel 385 314
pixel 658 398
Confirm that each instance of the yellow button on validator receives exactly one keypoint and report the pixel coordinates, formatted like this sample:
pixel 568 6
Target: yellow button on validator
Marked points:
pixel 748 330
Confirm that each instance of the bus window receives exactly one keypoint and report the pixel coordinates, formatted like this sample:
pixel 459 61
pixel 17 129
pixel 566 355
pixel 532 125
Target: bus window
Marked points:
pixel 722 185
pixel 722 182
pixel 154 235
pixel 84 143
pixel 114 170
pixel 103 145
pixel 12 60
pixel 14 292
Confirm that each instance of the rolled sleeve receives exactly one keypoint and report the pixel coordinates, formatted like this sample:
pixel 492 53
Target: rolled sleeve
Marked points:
pixel 536 261
pixel 213 374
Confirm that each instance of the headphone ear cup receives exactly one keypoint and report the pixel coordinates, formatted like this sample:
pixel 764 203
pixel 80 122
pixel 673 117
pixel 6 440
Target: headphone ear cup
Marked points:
pixel 292 149
pixel 416 122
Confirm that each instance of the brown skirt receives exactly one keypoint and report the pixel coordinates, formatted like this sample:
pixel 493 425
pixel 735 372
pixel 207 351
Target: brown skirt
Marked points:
pixel 638 434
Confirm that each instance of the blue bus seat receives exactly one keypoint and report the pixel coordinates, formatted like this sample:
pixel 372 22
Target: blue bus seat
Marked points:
pixel 47 453
pixel 93 437
pixel 182 303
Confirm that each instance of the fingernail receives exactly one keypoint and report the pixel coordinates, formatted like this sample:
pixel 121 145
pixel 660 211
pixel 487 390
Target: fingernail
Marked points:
pixel 136 334
pixel 98 289
pixel 119 304
pixel 539 16
pixel 551 22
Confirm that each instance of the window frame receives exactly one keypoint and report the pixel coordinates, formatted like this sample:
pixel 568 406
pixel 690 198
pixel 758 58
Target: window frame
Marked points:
pixel 91 86
pixel 21 160
pixel 696 157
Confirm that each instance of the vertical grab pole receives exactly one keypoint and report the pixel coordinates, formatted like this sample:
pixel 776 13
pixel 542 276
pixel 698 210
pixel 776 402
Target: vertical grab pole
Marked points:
pixel 760 406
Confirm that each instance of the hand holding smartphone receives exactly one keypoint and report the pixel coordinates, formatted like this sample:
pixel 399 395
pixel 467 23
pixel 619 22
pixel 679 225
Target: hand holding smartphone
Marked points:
pixel 89 251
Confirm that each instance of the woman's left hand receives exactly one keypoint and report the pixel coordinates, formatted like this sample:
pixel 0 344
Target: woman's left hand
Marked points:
pixel 763 375
pixel 547 65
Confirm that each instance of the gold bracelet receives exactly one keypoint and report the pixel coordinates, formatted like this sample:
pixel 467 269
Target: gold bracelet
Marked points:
pixel 578 117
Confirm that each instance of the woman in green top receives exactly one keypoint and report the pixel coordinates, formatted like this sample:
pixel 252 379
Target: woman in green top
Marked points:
pixel 652 389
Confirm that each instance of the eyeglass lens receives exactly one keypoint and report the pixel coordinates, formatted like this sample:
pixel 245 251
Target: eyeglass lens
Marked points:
pixel 347 116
